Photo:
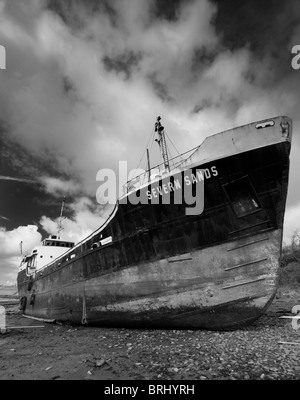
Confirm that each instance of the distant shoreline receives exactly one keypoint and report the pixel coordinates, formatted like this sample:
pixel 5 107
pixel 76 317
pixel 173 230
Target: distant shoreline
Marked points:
pixel 7 292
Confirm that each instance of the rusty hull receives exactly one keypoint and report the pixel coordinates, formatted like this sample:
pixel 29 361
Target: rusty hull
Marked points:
pixel 217 270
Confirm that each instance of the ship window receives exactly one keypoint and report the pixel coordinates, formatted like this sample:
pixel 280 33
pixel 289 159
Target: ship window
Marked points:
pixel 242 196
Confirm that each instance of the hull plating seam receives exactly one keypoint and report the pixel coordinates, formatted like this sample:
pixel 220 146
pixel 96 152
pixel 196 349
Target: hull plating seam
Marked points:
pixel 245 264
pixel 248 244
pixel 243 283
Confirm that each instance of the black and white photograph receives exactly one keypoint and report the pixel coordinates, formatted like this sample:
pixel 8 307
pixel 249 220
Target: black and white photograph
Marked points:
pixel 149 192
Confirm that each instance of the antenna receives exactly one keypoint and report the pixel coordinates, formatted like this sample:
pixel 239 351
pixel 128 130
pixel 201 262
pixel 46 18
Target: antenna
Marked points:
pixel 60 217
pixel 162 143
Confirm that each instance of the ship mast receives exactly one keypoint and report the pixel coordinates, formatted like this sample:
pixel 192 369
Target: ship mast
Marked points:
pixel 60 217
pixel 162 143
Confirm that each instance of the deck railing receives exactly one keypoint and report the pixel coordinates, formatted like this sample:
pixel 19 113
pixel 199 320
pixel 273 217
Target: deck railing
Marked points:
pixel 157 172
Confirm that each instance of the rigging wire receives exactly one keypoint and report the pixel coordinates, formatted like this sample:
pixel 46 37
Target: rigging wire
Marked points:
pixel 173 145
pixel 152 141
pixel 152 135
pixel 171 158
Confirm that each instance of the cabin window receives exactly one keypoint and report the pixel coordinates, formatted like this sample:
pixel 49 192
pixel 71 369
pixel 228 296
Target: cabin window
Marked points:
pixel 242 196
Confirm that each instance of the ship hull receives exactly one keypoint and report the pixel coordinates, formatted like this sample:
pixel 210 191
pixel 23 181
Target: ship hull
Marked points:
pixel 218 270
pixel 201 290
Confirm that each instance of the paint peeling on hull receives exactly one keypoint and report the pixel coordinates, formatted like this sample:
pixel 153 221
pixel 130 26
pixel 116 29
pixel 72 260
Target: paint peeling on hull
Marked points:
pixel 223 317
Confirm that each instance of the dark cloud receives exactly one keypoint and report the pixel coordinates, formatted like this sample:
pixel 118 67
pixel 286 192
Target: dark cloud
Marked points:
pixel 17 161
pixel 75 13
pixel 168 10
pixel 252 22
pixel 265 27
pixel 126 63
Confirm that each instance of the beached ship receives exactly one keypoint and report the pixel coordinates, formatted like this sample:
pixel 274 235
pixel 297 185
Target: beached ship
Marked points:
pixel 161 260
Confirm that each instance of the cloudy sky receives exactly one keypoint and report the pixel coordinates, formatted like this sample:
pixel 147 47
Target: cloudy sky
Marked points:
pixel 85 81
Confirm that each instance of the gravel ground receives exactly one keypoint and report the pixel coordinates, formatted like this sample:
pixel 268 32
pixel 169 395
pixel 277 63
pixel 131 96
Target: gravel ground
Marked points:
pixel 68 352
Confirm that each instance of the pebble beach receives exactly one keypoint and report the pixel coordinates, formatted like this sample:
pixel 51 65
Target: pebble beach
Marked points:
pixel 268 349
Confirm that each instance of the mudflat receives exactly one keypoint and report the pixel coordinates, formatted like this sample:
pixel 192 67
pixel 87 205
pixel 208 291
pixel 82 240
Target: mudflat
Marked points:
pixel 269 348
